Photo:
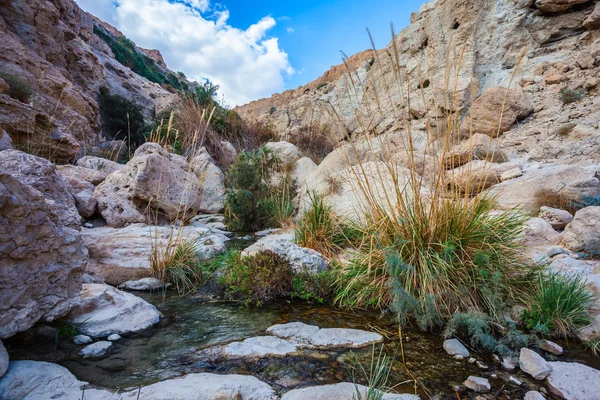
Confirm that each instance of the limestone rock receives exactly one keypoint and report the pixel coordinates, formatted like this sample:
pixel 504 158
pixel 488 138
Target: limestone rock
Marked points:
pixel 304 170
pixel 511 174
pixel 41 174
pixel 484 115
pixel 571 266
pixel 557 5
pixel 286 152
pixel 582 233
pixel 533 395
pixel 118 255
pixel 555 217
pixel 509 363
pixel 144 284
pixel 82 339
pixel 205 386
pixel 301 259
pixel 42 260
pixel 593 21
pixel 303 334
pixel 75 173
pixel 38 380
pixel 96 350
pixel 592 331
pixel 104 310
pixel 5 141
pixel 114 337
pixel 212 181
pixel 99 164
pixel 339 391
pixel 573 381
pixel 476 176
pixel 533 364
pixel 477 384
pixel 550 347
pixel 3 360
pixel 260 346
pixel 477 147
pixel 454 347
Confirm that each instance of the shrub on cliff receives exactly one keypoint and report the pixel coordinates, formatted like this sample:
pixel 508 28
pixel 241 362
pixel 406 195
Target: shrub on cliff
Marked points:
pixel 121 118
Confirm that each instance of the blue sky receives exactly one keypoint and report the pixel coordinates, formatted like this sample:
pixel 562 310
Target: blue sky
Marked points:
pixel 254 49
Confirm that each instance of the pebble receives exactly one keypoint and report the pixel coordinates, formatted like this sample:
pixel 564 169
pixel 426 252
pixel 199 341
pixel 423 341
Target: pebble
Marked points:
pixel 97 349
pixel 478 384
pixel 550 347
pixel 515 380
pixel 88 225
pixel 82 339
pixel 481 365
pixel 472 360
pixel 454 347
pixel 114 337
pixel 509 363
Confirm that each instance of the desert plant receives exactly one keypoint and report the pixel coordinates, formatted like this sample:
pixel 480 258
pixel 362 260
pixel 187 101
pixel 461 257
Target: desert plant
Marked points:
pixel 66 329
pixel 121 118
pixel 568 95
pixel 315 141
pixel 321 230
pixel 279 204
pixel 313 287
pixel 559 305
pixel 177 263
pixel 321 85
pixel 17 89
pixel 376 375
pixel 594 346
pixel 559 200
pixel 256 279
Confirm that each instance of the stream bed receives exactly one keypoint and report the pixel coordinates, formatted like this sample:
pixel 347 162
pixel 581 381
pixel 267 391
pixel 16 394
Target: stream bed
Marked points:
pixel 190 323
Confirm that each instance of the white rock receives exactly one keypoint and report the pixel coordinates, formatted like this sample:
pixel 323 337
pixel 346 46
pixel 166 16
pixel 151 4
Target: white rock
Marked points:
pixel 301 259
pixel 82 339
pixel 94 350
pixel 118 255
pixel 478 384
pixel 205 386
pixel 592 331
pixel 581 234
pixel 38 380
pixel 550 347
pixel 571 266
pixel 286 152
pixel 144 284
pixel 105 310
pixel 309 335
pixel 212 182
pixel 533 395
pixel 574 381
pixel 99 164
pixel 509 363
pixel 260 346
pixel 511 174
pixel 454 347
pixel 339 391
pixel 514 380
pixel 555 217
pixel 533 364
pixel 4 360
pixel 114 337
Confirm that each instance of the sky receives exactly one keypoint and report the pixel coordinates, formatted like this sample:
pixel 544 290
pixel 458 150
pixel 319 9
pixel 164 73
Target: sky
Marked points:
pixel 253 49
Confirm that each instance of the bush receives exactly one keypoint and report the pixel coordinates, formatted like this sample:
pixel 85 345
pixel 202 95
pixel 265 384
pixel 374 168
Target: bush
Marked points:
pixel 257 279
pixel 17 89
pixel 550 198
pixel 279 204
pixel 319 229
pixel 559 305
pixel 121 118
pixel 177 263
pixel 477 329
pixel 321 85
pixel 313 288
pixel 315 141
pixel 568 96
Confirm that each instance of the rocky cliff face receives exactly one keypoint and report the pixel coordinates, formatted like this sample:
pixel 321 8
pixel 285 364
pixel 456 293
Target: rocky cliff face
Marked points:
pixel 49 51
pixel 482 41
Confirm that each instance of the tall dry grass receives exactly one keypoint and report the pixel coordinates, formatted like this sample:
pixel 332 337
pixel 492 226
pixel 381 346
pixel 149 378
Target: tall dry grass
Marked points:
pixel 429 245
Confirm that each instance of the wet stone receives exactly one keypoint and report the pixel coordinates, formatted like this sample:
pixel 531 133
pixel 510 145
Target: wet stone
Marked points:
pixel 94 350
pixel 261 346
pixel 82 339
pixel 478 384
pixel 309 335
pixel 533 364
pixel 551 347
pixel 454 347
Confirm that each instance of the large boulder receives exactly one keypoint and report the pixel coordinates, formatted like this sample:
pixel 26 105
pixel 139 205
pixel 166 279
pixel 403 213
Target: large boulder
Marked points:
pixel 42 259
pixel 340 391
pixel 476 176
pixel 592 331
pixel 286 152
pixel 42 175
pixel 104 310
pixel 74 172
pixel 593 21
pixel 118 255
pixel 477 147
pixel 154 183
pixel 301 259
pixel 573 381
pixel 99 164
pixel 568 180
pixel 212 181
pixel 583 232
pixel 496 111
pixel 38 380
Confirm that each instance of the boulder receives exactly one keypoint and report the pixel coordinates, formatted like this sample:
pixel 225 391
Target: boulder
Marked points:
pixel 340 391
pixel 324 338
pixel 212 181
pixel 573 266
pixel 144 285
pixel 454 347
pixel 118 255
pixel 477 384
pixel 38 380
pixel 301 259
pixel 476 176
pixel 569 180
pixel 484 115
pixel 555 217
pixel 553 6
pixel 455 96
pixel 593 21
pixel 582 233
pixel 96 350
pixel 533 364
pixel 205 386
pixel 42 259
pixel 73 173
pixel 574 381
pixel 533 395
pixel 83 193
pixel 5 141
pixel 477 147
pixel 99 164
pixel 42 175
pixel 286 152
pixel 104 310
pixel 260 346
pixel 550 347
pixel 3 360
pixel 303 171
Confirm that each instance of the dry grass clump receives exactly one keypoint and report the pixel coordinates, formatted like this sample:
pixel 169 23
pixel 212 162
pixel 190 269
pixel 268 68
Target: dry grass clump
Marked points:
pixel 315 141
pixel 429 247
pixel 553 199
pixel 177 263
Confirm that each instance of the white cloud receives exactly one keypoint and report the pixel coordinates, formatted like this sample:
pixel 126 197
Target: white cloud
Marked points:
pixel 247 64
pixel 290 30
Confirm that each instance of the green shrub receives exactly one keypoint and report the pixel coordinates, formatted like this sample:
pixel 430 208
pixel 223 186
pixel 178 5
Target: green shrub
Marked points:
pixel 568 96
pixel 257 279
pixel 321 85
pixel 376 375
pixel 66 329
pixel 559 305
pixel 178 263
pixel 478 330
pixel 17 89
pixel 279 204
pixel 313 287
pixel 272 110
pixel 319 229
pixel 121 118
